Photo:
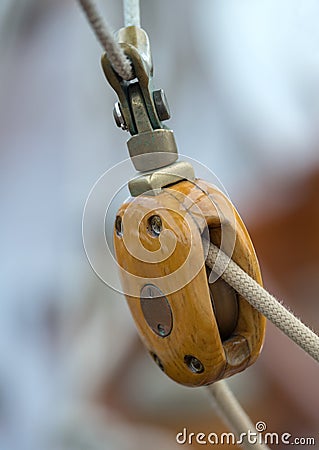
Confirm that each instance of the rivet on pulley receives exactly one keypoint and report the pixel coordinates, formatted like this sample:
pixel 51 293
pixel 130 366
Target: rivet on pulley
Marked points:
pixel 193 364
pixel 155 225
pixel 157 361
pixel 119 226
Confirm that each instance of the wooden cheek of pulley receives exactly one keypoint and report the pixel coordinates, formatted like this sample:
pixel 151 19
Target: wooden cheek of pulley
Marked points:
pixel 202 332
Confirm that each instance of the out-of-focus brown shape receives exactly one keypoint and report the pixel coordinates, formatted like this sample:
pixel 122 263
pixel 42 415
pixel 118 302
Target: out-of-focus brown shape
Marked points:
pixel 287 243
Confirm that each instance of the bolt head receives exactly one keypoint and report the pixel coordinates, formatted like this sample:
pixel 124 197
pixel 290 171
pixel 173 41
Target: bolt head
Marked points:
pixel 118 116
pixel 119 226
pixel 158 361
pixel 155 225
pixel 161 105
pixel 193 364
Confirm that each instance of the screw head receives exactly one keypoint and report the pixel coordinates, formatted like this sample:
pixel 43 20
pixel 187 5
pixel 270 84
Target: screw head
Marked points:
pixel 155 225
pixel 161 329
pixel 118 116
pixel 161 105
pixel 193 364
pixel 157 360
pixel 119 226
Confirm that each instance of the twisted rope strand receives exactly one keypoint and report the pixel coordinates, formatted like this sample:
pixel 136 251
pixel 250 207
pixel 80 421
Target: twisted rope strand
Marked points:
pixel 263 301
pixel 121 64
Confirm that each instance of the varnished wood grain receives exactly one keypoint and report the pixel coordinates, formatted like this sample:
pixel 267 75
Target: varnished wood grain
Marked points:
pixel 186 209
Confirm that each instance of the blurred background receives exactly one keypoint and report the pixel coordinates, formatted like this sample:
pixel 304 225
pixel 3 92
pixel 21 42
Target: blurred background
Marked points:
pixel 242 80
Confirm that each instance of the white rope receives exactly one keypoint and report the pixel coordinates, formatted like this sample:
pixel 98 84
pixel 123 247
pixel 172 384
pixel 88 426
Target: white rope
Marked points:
pixel 131 13
pixel 264 302
pixel 233 414
pixel 120 63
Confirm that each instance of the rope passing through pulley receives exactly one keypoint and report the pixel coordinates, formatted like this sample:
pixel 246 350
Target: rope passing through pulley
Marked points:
pixel 201 319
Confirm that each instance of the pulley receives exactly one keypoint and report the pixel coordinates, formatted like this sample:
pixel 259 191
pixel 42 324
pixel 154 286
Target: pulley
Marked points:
pixel 201 332
pixel 195 326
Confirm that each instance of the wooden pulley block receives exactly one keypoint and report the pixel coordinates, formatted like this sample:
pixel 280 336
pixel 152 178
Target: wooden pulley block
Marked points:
pixel 196 327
